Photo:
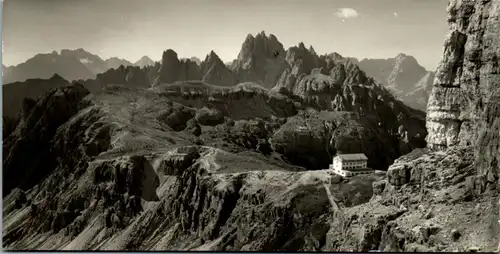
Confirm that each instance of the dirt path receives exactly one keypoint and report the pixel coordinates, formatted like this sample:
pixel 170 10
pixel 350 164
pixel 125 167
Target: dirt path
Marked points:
pixel 335 207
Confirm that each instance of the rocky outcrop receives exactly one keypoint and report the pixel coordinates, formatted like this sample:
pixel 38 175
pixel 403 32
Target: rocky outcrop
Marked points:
pixel 441 194
pixel 207 116
pixel 215 72
pixel 242 101
pixel 466 76
pixel 261 60
pixel 312 139
pixel 133 169
pixel 113 167
pixel 172 69
pixel 339 85
pixel 34 134
pixel 301 58
pixel 13 94
pixel 130 76
pixel 193 59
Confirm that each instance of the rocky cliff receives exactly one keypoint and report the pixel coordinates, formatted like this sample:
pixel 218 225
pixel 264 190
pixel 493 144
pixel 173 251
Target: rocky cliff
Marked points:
pixel 216 72
pixel 192 166
pixel 132 76
pixel 334 83
pixel 172 69
pixel 468 75
pixel 261 60
pixel 14 93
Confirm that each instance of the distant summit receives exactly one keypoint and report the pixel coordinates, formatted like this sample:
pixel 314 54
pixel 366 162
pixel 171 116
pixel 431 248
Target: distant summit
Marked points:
pixel 144 61
pixel 115 62
pixel 70 64
pixel 404 76
pixel 262 59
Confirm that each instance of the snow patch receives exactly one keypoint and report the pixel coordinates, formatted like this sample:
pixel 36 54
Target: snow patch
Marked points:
pixel 85 60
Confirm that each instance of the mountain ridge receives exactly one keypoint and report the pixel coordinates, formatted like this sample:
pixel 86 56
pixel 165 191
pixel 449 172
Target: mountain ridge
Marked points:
pixel 403 75
pixel 187 165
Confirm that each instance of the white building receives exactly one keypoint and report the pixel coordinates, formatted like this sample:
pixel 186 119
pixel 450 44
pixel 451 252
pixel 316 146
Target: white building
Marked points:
pixel 350 165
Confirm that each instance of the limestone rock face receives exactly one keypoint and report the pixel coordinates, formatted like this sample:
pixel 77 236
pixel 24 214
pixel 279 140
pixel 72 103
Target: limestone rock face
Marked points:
pixel 34 133
pixel 172 69
pixel 467 74
pixel 13 94
pixel 261 60
pixel 215 72
pixel 337 84
pixel 170 66
pixel 406 79
pixel 311 139
pixel 131 76
pixel 187 165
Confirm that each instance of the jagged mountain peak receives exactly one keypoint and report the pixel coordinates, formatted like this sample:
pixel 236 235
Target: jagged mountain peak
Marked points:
pixel 407 60
pixel 173 69
pixel 301 45
pixel 78 51
pixel 312 51
pixel 212 57
pixel 261 34
pixel 169 53
pixel 261 60
pixel 261 45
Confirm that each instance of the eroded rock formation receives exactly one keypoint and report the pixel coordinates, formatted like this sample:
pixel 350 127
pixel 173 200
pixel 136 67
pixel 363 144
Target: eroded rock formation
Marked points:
pixel 192 166
pixel 261 60
pixel 467 75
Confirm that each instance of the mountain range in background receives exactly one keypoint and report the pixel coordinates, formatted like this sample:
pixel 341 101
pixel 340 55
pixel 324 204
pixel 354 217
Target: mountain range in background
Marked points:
pixel 404 76
pixel 69 64
pixel 326 82
pixel 195 162
pixel 262 59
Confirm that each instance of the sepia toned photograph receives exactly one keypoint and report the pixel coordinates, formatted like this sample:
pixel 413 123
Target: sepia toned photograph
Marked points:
pixel 251 125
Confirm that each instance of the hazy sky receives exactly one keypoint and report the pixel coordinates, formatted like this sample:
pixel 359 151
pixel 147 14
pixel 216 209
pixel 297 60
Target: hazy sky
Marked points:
pixel 132 28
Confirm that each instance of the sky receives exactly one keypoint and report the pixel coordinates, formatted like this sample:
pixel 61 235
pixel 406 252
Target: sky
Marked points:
pixel 131 29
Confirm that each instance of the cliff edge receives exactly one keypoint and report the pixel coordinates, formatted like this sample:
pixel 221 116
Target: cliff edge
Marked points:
pixel 468 75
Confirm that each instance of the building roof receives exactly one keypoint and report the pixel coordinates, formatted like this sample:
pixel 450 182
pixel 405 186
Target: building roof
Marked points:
pixel 359 170
pixel 352 156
